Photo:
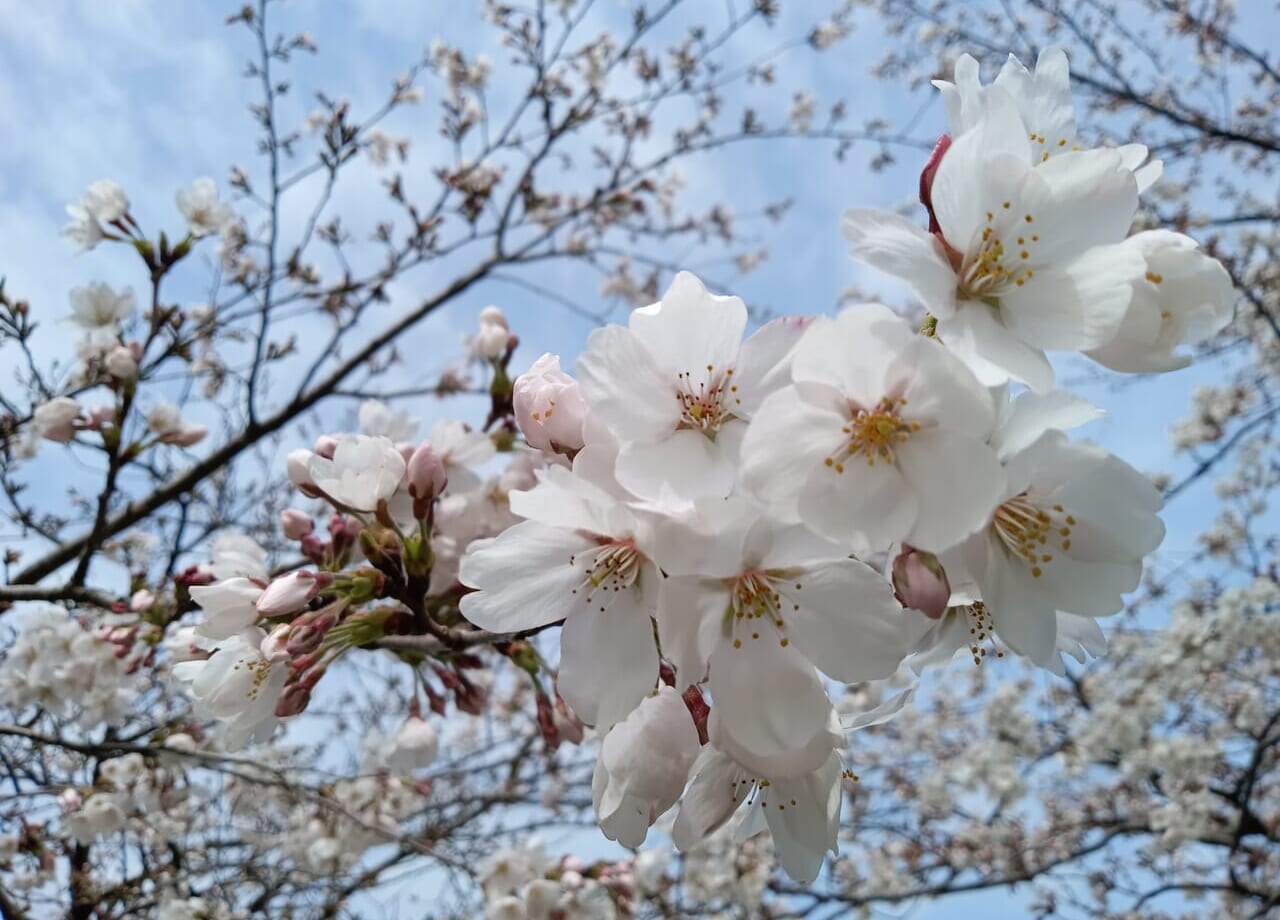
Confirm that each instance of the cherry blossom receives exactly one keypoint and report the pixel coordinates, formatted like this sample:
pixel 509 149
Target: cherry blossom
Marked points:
pixel 363 471
pixel 238 686
pixel 879 439
pixel 580 556
pixel 1024 259
pixel 205 214
pixel 97 307
pixel 677 386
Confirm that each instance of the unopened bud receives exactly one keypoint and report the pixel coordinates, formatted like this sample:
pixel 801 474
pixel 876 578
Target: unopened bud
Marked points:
pixel 292 592
pixel 921 583
pixel 293 701
pixel 549 407
pixel 426 476
pixel 296 524
pixel 568 725
pixel 326 445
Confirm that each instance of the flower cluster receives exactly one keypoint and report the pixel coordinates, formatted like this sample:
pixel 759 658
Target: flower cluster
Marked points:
pixel 712 505
pixel 724 524
pixel 59 666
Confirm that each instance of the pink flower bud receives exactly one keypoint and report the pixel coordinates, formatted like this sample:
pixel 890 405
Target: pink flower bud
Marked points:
pixel 549 407
pixel 926 179
pixel 296 524
pixel 326 445
pixel 56 420
pixel 425 474
pixel 293 700
pixel 292 593
pixel 921 583
pixel 141 600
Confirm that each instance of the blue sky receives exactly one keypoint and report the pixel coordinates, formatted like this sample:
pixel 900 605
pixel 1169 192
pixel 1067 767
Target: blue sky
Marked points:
pixel 151 94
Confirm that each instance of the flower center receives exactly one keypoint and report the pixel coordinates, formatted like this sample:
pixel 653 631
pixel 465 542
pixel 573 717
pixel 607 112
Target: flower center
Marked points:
pixel 980 630
pixel 873 433
pixel 613 567
pixel 989 269
pixel 1025 526
pixel 754 596
pixel 709 403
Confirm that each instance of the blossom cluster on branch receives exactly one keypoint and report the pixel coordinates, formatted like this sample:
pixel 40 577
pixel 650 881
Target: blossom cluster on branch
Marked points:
pixel 720 525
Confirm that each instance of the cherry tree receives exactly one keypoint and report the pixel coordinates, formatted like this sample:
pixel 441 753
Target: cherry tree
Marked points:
pixel 767 600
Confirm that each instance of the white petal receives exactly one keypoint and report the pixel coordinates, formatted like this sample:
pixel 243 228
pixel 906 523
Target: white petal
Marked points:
pixel 770 699
pixel 804 817
pixel 625 387
pixel 991 351
pixel 711 798
pixel 690 327
pixel 524 577
pixel 686 464
pixel 786 442
pixel 957 481
pixel 899 247
pixel 1032 414
pixel 608 661
pixel 764 363
pixel 843 617
pixel 864 502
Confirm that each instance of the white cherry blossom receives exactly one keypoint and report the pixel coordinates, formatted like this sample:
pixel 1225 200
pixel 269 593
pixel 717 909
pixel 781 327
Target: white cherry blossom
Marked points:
pixel 205 214
pixel 1069 534
pixel 580 556
pixel 677 386
pixel 760 606
pixel 97 307
pixel 238 686
pixel 1183 297
pixel 880 439
pixel 377 419
pixel 1023 261
pixel 363 471
pixel 229 606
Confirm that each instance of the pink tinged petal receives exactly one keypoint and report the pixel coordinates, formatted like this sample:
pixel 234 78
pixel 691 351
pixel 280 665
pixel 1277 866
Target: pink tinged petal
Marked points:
pixel 900 248
pixel 843 617
pixel 869 503
pixel 957 481
pixel 690 327
pixel 1031 415
pixel 770 699
pixel 785 444
pixel 608 660
pixel 764 363
pixel 625 387
pixel 994 354
pixel 687 464
pixel 804 818
pixel 524 577
pixel 712 797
